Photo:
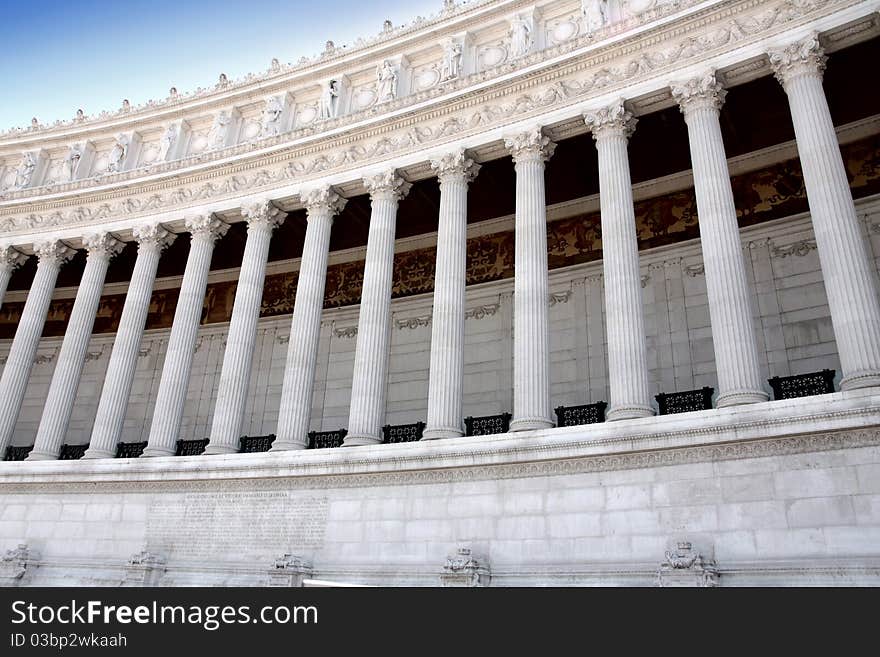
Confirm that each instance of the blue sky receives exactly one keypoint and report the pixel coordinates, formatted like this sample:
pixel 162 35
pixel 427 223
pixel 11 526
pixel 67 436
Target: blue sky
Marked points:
pixel 58 56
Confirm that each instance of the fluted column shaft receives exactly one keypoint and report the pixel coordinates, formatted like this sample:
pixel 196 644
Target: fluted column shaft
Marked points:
pixel 20 360
pixel 294 414
pixel 235 374
pixel 624 314
pixel 71 358
pixel 531 287
pixel 730 308
pixel 10 259
pixel 446 375
pixel 173 385
pixel 118 380
pixel 370 378
pixel 846 266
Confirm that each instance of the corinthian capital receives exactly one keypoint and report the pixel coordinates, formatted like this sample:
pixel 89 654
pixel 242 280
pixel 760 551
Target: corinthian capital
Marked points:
pixel 102 245
pixel 10 258
pixel 152 236
pixel 262 215
pixel 323 201
pixel 53 252
pixel 804 57
pixel 205 227
pixel 455 166
pixel 701 92
pixel 532 144
pixel 387 185
pixel 611 121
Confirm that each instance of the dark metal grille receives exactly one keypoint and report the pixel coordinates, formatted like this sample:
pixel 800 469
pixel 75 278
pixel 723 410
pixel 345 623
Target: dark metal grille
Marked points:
pixel 130 450
pixel 250 444
pixel 17 453
pixel 403 433
pixel 802 385
pixel 72 452
pixel 570 416
pixel 685 402
pixel 191 447
pixel 323 439
pixel 487 424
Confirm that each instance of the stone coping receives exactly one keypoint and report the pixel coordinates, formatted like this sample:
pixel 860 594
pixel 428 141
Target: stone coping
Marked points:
pixel 819 420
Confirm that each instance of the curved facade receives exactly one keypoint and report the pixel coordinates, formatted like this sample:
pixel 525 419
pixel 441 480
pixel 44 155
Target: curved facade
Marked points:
pixel 591 287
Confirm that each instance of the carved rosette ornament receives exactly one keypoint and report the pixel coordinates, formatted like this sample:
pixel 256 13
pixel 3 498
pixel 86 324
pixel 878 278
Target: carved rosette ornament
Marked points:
pixel 805 57
pixel 702 92
pixel 323 201
pixel 262 215
pixel 102 245
pixel 53 252
pixel 387 185
pixel 455 166
pixel 532 144
pixel 611 121
pixel 205 227
pixel 152 236
pixel 10 258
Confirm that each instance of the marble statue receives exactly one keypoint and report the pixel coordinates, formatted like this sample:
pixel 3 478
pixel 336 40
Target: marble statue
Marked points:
pixel 387 26
pixel 451 66
pixel 34 123
pixel 217 136
pixel 386 82
pixel 223 81
pixel 25 172
pixel 172 93
pixel 328 108
pixel 272 117
pixel 126 105
pixel 275 65
pixel 117 154
pixel 80 115
pixel 595 13
pixel 74 155
pixel 520 36
pixel 166 143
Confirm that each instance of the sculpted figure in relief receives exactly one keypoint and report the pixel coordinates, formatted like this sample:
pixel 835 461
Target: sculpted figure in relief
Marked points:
pixel 74 155
pixel 217 136
pixel 272 117
pixel 520 36
pixel 451 67
pixel 386 78
pixel 117 154
pixel 25 172
pixel 166 143
pixel 328 108
pixel 595 14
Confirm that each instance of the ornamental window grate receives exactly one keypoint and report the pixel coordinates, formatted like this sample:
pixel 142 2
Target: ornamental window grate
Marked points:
pixel 191 447
pixel 72 452
pixel 17 452
pixel 252 444
pixel 130 450
pixel 326 439
pixel 686 401
pixel 802 385
pixel 487 424
pixel 403 433
pixel 570 416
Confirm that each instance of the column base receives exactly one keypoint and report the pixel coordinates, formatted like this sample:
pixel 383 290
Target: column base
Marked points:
pixel 438 433
pixel 857 380
pixel 363 439
pixel 41 456
pixel 628 412
pixel 219 449
pixel 150 452
pixel 740 397
pixel 530 423
pixel 98 454
pixel 286 446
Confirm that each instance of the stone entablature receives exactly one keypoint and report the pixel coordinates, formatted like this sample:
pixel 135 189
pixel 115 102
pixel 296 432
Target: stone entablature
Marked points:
pixel 546 85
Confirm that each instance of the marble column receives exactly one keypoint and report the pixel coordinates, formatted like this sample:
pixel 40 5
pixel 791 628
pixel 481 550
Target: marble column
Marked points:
pixel 446 376
pixel 58 408
pixel 531 286
pixel 846 267
pixel 10 259
pixel 294 414
pixel 20 361
pixel 624 314
pixel 235 375
pixel 731 314
pixel 370 379
pixel 171 397
pixel 110 418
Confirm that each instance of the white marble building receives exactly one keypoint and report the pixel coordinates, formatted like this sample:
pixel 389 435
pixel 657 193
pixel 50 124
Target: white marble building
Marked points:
pixel 510 207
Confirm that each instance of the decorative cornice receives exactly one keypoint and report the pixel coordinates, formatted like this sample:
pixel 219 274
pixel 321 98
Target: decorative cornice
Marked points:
pixel 102 245
pixel 698 93
pixel 152 236
pixel 323 201
pixel 804 57
pixel 387 185
pixel 530 145
pixel 10 258
pixel 262 215
pixel 455 167
pixel 611 121
pixel 205 227
pixel 53 252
